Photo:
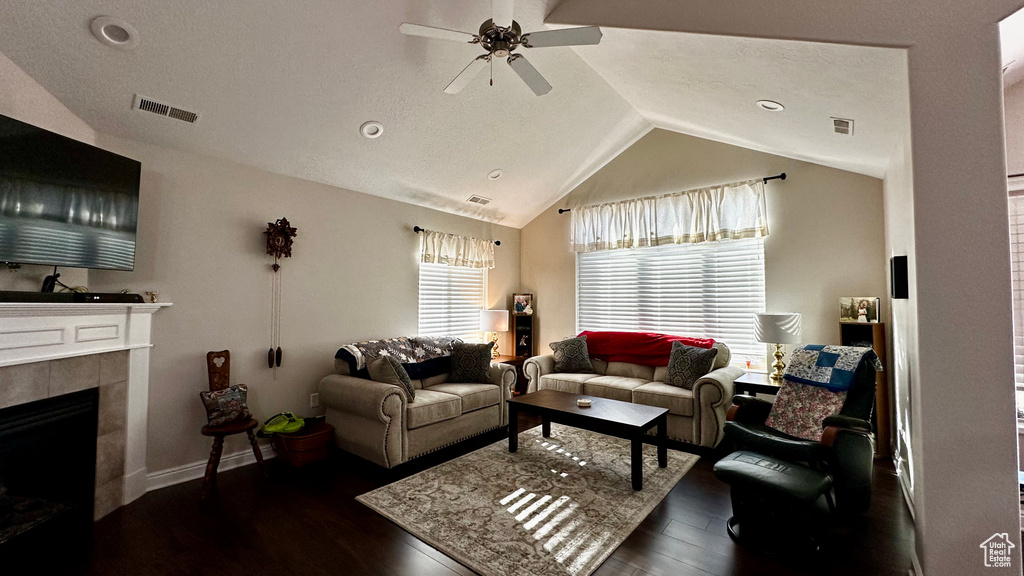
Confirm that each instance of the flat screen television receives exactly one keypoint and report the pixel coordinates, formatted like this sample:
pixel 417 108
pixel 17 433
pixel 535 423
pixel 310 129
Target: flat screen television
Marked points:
pixel 64 202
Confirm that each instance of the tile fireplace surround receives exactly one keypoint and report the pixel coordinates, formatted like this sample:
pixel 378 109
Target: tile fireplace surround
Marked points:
pixel 47 350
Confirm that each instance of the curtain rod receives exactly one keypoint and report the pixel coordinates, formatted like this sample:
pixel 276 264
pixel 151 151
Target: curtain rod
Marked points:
pixel 417 230
pixel 763 181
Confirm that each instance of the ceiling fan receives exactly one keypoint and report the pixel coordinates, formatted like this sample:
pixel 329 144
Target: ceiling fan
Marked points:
pixel 500 36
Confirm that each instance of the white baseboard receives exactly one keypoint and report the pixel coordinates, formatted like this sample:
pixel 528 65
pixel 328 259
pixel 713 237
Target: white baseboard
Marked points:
pixel 134 486
pixel 186 472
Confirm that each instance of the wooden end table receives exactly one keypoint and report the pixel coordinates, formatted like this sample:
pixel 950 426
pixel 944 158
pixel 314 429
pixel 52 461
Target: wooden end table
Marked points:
pixel 517 363
pixel 753 383
pixel 604 416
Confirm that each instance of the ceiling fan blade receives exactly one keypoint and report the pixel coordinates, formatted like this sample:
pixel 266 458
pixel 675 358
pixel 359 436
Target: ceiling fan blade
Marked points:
pixel 431 32
pixel 501 12
pixel 467 75
pixel 565 37
pixel 529 74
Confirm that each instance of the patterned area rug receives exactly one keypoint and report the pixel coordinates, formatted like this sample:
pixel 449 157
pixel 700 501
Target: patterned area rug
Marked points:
pixel 559 506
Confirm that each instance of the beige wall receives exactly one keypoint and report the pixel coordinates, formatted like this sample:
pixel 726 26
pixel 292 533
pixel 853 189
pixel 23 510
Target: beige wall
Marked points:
pixel 22 98
pixel 352 276
pixel 810 260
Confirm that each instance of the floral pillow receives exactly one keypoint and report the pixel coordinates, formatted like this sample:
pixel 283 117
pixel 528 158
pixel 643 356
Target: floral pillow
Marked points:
pixel 799 409
pixel 227 405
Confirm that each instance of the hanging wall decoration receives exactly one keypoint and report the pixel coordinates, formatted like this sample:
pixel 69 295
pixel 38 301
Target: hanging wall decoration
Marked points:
pixel 279 245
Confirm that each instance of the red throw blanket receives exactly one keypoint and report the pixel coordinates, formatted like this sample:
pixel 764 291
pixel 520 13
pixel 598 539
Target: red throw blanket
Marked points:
pixel 645 348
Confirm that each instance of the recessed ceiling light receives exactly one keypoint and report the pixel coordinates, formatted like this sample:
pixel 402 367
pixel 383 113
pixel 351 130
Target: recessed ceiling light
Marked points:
pixel 770 105
pixel 494 174
pixel 371 129
pixel 114 32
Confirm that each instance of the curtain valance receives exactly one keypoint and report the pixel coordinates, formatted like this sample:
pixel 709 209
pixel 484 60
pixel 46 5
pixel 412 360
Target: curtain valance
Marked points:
pixel 729 211
pixel 455 250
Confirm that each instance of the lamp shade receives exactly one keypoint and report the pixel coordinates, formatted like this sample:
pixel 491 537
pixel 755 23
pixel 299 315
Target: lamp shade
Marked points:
pixel 777 327
pixel 494 320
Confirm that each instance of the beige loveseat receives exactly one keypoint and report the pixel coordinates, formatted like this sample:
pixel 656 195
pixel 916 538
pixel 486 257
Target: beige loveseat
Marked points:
pixel 374 420
pixel 696 416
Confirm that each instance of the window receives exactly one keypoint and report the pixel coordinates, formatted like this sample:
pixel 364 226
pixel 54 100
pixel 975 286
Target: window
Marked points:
pixel 451 299
pixel 709 290
pixel 1016 208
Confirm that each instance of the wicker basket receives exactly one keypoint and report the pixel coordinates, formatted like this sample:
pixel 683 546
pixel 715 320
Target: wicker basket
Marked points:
pixel 305 447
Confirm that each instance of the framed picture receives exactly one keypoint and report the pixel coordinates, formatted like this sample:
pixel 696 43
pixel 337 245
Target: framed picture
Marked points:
pixel 859 309
pixel 522 304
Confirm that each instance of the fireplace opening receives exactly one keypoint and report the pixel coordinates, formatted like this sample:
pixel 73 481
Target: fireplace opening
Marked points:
pixel 47 478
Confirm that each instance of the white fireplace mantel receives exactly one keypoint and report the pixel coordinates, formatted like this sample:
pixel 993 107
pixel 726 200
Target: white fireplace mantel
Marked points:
pixel 38 332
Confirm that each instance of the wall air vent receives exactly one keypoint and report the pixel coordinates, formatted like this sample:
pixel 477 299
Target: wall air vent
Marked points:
pixel 479 200
pixel 842 126
pixel 149 105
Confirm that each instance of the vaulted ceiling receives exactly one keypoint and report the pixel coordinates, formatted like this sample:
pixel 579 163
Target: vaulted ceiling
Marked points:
pixel 285 85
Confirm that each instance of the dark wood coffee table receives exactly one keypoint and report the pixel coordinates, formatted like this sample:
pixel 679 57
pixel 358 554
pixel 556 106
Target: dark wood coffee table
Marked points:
pixel 604 416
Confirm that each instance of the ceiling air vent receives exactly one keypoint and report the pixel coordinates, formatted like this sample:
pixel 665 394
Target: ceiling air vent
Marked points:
pixel 842 126
pixel 148 105
pixel 183 115
pixel 479 200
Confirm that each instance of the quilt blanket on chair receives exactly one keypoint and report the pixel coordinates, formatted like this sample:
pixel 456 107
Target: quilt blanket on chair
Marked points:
pixel 830 367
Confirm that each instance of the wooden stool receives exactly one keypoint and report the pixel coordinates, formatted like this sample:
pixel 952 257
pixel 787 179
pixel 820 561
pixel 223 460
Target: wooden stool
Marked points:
pixel 219 367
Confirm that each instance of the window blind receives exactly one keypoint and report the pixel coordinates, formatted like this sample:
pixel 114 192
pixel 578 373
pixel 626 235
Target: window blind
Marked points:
pixel 709 290
pixel 1016 210
pixel 451 298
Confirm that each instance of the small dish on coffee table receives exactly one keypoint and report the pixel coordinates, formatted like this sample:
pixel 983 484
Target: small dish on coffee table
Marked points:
pixel 583 402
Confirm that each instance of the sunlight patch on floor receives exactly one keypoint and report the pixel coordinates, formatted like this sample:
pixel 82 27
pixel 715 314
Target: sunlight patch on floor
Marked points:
pixel 554 522
pixel 522 502
pixel 511 497
pixel 563 534
pixel 532 523
pixel 532 508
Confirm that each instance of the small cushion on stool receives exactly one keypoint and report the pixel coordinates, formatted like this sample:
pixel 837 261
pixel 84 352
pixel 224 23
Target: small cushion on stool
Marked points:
pixel 772 477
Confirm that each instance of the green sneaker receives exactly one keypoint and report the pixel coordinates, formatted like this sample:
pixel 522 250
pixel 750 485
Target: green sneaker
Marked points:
pixel 283 423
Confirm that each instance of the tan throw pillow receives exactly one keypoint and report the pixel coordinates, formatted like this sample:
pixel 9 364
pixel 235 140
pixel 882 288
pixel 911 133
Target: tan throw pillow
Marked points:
pixel 389 370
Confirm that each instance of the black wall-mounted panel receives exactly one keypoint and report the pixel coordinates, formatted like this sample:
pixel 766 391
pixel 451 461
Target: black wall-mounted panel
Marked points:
pixel 898 277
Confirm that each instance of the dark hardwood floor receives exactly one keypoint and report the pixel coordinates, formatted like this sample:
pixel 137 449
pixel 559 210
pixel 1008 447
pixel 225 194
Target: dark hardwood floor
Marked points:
pixel 306 522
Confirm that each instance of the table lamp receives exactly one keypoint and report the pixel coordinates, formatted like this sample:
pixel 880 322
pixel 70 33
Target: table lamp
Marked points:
pixel 494 321
pixel 777 328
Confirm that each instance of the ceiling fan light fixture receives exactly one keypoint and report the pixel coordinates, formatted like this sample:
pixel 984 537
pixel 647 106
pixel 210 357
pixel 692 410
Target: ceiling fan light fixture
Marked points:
pixel 770 105
pixel 371 129
pixel 500 36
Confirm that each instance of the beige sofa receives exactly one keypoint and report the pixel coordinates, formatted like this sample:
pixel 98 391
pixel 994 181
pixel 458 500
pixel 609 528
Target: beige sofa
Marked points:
pixel 374 420
pixel 695 416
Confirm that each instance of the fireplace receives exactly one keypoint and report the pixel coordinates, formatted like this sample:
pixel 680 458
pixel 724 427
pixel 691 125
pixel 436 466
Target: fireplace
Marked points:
pixel 52 351
pixel 47 478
